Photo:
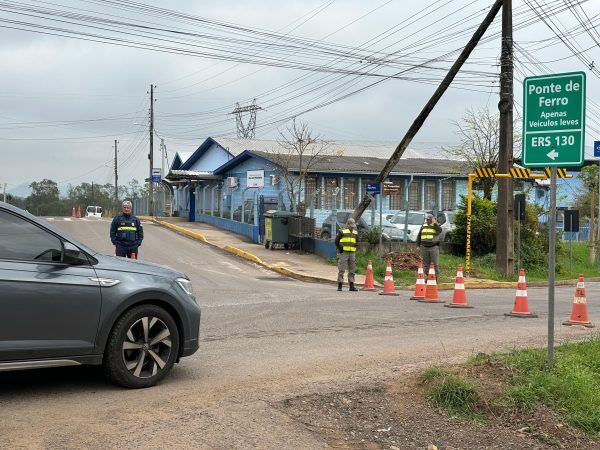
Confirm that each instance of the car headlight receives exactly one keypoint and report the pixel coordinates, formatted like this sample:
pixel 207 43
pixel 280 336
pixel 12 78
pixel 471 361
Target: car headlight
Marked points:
pixel 186 285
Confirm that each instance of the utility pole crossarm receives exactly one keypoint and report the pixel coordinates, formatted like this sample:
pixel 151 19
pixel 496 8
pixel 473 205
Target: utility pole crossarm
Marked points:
pixel 416 125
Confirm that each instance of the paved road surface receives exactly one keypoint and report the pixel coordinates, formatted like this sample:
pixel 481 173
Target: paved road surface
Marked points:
pixel 264 338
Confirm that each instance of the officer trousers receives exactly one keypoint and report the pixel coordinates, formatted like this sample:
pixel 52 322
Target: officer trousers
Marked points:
pixel 346 261
pixel 430 255
pixel 126 251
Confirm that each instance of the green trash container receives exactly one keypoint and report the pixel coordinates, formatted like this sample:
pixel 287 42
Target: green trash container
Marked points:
pixel 276 229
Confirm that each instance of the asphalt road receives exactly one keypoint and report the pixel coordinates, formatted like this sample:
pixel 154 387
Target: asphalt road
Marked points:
pixel 264 338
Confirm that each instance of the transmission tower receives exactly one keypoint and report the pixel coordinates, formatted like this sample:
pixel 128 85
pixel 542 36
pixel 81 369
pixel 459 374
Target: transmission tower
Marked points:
pixel 243 130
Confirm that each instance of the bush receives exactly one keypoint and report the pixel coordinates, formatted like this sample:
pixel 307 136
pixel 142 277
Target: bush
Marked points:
pixel 370 236
pixel 483 226
pixel 534 239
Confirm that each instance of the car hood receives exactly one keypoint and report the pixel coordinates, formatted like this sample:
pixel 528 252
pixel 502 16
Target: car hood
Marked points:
pixel 119 264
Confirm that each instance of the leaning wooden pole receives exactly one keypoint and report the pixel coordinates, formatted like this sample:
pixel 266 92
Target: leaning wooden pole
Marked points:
pixel 416 125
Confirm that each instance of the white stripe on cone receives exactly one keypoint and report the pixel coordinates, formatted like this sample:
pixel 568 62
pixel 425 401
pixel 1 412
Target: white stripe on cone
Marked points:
pixel 580 300
pixel 522 279
pixel 521 293
pixel 420 270
pixel 460 286
pixel 420 281
pixel 581 285
pixel 459 273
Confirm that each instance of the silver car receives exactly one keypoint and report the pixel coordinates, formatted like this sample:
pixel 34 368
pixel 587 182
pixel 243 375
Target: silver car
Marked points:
pixel 64 304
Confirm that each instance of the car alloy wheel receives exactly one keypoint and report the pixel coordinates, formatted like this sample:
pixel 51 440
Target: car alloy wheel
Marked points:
pixel 147 347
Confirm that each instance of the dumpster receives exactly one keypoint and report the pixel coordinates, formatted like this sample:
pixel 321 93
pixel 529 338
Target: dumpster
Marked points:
pixel 277 229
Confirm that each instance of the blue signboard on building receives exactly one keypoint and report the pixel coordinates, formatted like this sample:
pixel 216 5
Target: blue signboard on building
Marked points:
pixel 374 188
pixel 597 149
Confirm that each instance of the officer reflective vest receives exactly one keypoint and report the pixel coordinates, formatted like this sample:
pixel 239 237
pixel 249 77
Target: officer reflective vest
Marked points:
pixel 349 239
pixel 429 234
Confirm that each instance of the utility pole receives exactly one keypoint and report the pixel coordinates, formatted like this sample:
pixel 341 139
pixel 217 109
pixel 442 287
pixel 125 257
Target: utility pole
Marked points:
pixel 505 251
pixel 93 201
pixel 151 155
pixel 416 125
pixel 116 179
pixel 4 193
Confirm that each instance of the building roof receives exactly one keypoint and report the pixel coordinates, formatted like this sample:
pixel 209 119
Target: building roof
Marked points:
pixel 204 147
pixel 181 175
pixel 374 149
pixel 355 164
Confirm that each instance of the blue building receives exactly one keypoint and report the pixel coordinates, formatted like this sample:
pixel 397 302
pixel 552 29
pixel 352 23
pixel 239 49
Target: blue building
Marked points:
pixel 235 180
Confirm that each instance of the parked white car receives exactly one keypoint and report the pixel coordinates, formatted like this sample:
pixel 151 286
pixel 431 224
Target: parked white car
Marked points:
pixel 416 219
pixel 93 211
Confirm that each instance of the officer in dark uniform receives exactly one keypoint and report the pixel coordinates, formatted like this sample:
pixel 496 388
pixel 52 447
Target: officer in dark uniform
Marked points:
pixel 126 232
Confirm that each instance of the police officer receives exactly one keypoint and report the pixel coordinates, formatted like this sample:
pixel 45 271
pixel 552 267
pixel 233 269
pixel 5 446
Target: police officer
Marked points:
pixel 126 232
pixel 428 241
pixel 346 242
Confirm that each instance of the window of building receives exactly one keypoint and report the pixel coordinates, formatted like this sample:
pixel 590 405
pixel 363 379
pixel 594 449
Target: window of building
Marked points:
pixel 397 200
pixel 331 185
pixel 310 186
pixel 448 195
pixel 414 195
pixel 430 194
pixel 350 193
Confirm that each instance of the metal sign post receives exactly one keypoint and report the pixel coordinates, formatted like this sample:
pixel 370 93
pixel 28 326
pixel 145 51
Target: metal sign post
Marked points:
pixel 551 267
pixel 380 216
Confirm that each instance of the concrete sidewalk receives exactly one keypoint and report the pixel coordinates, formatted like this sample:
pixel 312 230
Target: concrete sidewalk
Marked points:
pixel 293 263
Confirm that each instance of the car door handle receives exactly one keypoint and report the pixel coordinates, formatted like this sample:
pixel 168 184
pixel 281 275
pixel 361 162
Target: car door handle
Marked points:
pixel 105 282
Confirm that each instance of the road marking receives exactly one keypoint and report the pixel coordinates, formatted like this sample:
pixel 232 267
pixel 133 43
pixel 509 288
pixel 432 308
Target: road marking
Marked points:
pixel 233 266
pixel 68 219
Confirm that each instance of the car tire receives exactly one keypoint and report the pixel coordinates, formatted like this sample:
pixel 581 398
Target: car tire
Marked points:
pixel 142 340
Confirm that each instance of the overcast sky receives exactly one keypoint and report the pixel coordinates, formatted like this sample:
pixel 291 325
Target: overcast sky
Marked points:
pixel 64 101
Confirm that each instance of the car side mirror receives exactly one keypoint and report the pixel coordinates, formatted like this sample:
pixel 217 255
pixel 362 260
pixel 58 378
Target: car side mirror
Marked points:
pixel 73 256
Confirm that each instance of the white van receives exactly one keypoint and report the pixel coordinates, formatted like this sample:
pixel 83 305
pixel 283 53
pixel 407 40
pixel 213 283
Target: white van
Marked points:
pixel 93 211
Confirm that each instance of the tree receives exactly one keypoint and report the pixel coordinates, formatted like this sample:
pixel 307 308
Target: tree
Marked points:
pixel 300 152
pixel 44 198
pixel 479 144
pixel 588 201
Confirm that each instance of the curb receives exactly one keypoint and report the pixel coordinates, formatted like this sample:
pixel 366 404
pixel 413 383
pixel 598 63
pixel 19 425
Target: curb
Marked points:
pixel 244 254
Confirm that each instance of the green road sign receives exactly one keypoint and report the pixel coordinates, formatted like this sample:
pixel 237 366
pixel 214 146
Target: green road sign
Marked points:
pixel 554 120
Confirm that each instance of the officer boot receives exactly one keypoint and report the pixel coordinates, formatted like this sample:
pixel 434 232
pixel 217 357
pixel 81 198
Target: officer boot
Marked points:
pixel 352 288
pixel 339 286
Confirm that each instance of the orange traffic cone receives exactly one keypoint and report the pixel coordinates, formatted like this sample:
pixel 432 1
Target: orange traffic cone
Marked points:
pixel 431 289
pixel 73 212
pixel 579 315
pixel 369 283
pixel 459 299
pixel 521 307
pixel 419 285
pixel 388 284
pixel 132 256
pixel 79 212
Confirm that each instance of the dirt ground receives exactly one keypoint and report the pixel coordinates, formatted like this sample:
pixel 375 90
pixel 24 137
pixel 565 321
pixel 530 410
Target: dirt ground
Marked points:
pixel 396 415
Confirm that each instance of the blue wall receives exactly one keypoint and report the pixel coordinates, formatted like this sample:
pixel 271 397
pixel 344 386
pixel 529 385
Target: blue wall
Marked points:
pixel 236 227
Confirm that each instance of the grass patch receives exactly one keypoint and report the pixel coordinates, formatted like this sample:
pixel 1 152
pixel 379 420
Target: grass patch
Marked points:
pixel 571 388
pixel 455 395
pixel 521 381
pixel 433 373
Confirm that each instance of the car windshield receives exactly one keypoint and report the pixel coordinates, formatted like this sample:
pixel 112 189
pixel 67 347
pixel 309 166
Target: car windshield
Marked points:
pixel 413 218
